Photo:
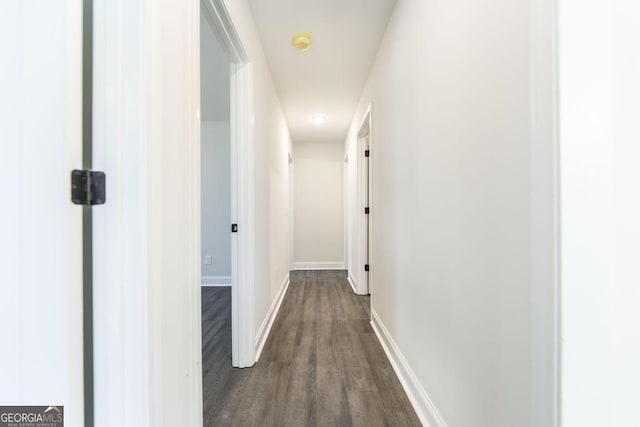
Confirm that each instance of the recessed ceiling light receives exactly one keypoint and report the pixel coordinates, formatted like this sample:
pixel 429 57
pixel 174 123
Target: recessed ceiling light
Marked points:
pixel 302 41
pixel 319 119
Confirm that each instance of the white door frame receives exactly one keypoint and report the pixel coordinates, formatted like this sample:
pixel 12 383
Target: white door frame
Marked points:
pixel 364 279
pixel 242 171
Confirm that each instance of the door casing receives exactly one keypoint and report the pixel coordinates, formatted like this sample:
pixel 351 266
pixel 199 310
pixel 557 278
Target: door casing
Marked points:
pixel 364 280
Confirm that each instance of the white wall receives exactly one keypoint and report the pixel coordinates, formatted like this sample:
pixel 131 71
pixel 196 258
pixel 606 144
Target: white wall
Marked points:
pixel 216 202
pixel 272 144
pixel 318 205
pixel 452 203
pixel 600 154
pixel 123 343
pixel 215 156
pixel 214 73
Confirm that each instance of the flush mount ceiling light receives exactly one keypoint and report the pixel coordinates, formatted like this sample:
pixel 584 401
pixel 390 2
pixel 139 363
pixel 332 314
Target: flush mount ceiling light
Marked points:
pixel 319 119
pixel 302 41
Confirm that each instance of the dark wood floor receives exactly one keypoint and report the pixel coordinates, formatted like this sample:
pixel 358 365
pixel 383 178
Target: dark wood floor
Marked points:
pixel 322 364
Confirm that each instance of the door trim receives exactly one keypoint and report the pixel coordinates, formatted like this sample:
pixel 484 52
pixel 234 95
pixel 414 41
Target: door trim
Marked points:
pixel 364 283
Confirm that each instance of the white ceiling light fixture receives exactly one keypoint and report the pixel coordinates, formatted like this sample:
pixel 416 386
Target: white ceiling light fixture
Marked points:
pixel 319 119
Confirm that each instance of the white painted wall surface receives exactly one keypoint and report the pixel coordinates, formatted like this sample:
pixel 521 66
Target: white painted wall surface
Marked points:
pixel 600 154
pixel 319 210
pixel 41 343
pixel 272 144
pixel 216 199
pixel 452 191
pixel 214 73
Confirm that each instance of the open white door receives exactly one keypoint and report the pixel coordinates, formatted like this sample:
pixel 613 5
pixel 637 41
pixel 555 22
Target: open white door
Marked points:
pixel 41 350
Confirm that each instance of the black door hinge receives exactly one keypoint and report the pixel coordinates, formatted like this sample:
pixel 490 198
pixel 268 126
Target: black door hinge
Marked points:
pixel 234 228
pixel 366 211
pixel 88 188
pixel 366 153
pixel 366 267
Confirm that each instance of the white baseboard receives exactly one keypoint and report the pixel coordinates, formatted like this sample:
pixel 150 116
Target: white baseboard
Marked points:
pixel 267 323
pixel 424 407
pixel 331 265
pixel 216 281
pixel 352 282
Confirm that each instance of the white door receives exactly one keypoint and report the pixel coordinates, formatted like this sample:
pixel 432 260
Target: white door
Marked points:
pixel 40 229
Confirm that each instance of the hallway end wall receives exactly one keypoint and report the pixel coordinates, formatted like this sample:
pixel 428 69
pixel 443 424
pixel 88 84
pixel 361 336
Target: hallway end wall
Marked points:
pixel 319 205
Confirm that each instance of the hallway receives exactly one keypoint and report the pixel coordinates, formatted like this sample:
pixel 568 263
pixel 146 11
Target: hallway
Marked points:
pixel 322 363
pixel 408 212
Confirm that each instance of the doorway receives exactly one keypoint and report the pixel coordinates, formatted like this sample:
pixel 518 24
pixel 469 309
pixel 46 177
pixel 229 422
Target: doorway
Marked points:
pixel 216 257
pixel 240 160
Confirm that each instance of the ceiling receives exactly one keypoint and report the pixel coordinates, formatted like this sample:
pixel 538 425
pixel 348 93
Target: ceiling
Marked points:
pixel 214 74
pixel 327 79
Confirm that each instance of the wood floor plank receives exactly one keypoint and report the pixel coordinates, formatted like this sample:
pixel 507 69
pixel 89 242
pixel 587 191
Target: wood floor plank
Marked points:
pixel 331 398
pixel 322 364
pixel 366 409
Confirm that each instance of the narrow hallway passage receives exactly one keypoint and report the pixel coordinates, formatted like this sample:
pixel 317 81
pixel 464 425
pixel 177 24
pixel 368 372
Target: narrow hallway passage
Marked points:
pixel 321 366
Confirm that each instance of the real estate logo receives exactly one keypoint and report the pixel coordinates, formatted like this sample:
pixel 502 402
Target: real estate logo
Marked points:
pixel 31 416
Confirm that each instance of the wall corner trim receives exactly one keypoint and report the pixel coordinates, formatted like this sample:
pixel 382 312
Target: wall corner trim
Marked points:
pixel 216 281
pixel 422 404
pixel 267 323
pixel 323 265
